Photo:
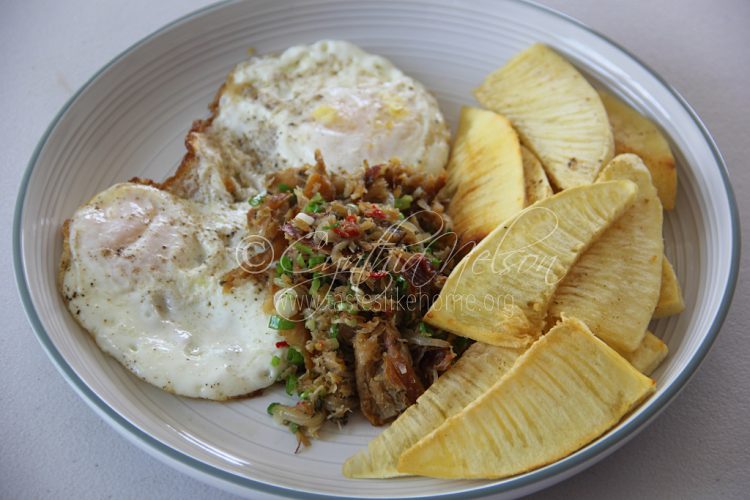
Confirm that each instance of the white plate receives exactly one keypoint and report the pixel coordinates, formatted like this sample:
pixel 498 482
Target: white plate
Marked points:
pixel 130 120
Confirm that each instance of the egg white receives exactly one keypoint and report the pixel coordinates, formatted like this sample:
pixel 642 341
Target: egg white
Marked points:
pixel 143 267
pixel 143 278
pixel 277 110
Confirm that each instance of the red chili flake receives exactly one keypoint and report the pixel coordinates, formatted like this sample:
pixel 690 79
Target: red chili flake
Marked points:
pixel 281 344
pixel 378 274
pixel 349 228
pixel 346 232
pixel 375 213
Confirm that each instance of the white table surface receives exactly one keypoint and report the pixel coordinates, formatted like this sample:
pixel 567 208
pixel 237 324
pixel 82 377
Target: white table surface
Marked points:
pixel 53 446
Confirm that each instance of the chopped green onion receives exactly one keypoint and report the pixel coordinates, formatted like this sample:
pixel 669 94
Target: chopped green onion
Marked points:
pixel 301 261
pixel 331 226
pixel 271 407
pixel 315 204
pixel 275 361
pixel 435 262
pixel 424 329
pixel 284 188
pixel 315 285
pixel 316 260
pixel 286 263
pixel 402 284
pixel 305 395
pixel 346 307
pixel 293 427
pixel 304 248
pixel 403 202
pixel 334 331
pixel 284 266
pixel 291 384
pixel 257 199
pixel 295 357
pixel 279 323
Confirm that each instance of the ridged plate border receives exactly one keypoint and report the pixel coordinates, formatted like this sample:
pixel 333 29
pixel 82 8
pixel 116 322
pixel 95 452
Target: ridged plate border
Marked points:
pixel 523 484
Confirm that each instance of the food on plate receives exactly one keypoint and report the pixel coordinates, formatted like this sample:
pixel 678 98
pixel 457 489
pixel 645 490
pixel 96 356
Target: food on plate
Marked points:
pixel 450 433
pixel 274 111
pixel 634 133
pixel 537 184
pixel 150 268
pixel 615 284
pixel 485 174
pixel 471 376
pixel 361 257
pixel 649 355
pixel 141 270
pixel 499 293
pixel 565 391
pixel 670 295
pixel 558 114
pixel 317 235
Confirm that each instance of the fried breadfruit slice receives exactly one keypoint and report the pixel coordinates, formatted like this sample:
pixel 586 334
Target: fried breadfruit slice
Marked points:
pixel 485 174
pixel 614 286
pixel 473 374
pixel 499 292
pixel 670 295
pixel 649 355
pixel 557 113
pixel 564 392
pixel 537 184
pixel 634 133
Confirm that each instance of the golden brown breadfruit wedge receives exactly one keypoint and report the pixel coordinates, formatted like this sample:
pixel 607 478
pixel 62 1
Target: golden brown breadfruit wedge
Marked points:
pixel 537 184
pixel 634 133
pixel 499 292
pixel 649 355
pixel 564 392
pixel 557 113
pixel 484 174
pixel 473 374
pixel 670 295
pixel 615 285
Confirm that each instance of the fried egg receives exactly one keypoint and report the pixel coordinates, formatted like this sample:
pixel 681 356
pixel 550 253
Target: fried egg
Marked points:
pixel 275 111
pixel 332 96
pixel 142 267
pixel 143 275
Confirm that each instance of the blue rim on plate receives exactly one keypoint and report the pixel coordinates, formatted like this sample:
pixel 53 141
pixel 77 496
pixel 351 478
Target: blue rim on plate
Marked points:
pixel 181 460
